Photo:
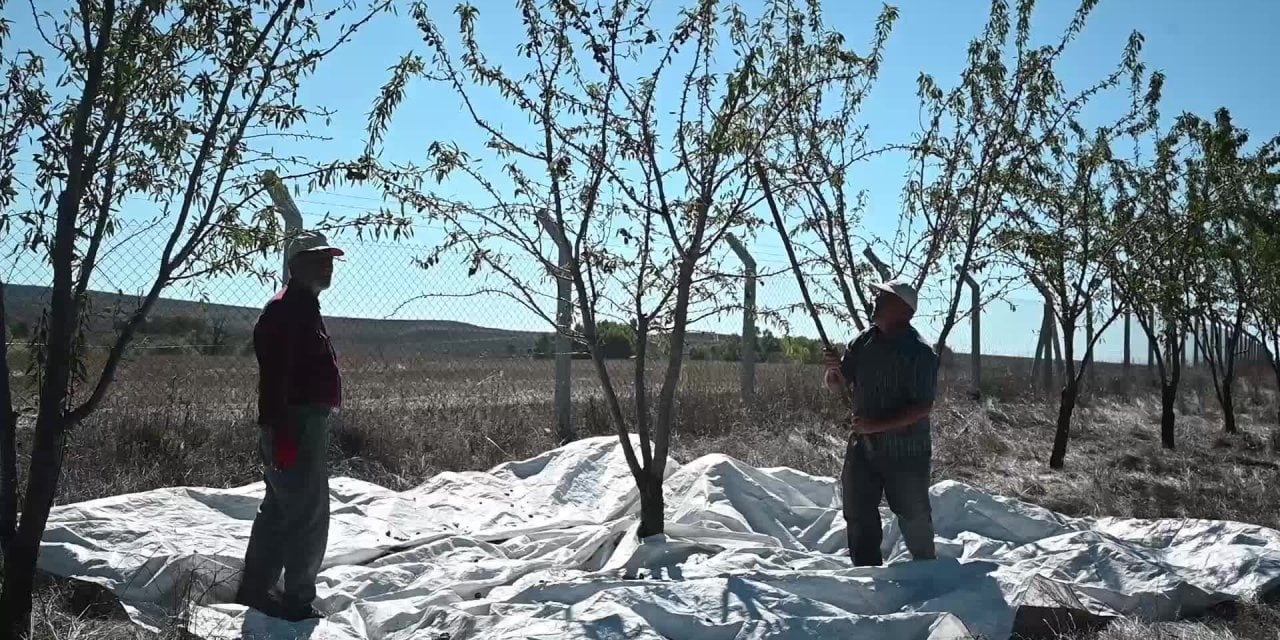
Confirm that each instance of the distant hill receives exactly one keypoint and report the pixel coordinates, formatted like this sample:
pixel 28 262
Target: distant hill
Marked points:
pixel 228 328
pixel 195 323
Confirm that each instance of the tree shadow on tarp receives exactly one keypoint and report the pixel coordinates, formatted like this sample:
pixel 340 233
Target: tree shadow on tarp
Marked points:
pixel 1050 623
pixel 89 600
pixel 1050 609
pixel 746 594
pixel 966 590
pixel 914 603
pixel 607 628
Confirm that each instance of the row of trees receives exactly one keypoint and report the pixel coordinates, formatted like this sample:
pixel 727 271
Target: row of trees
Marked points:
pixel 768 348
pixel 626 149
pixel 649 155
pixel 1203 210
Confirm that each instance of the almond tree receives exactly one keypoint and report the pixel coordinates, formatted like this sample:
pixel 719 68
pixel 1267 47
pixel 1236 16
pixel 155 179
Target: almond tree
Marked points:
pixel 168 109
pixel 975 147
pixel 1075 207
pixel 1231 190
pixel 1173 246
pixel 1267 311
pixel 637 192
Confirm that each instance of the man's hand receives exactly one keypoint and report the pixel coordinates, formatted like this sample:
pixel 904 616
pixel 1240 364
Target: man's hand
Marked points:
pixel 833 376
pixel 864 426
pixel 284 445
pixel 901 420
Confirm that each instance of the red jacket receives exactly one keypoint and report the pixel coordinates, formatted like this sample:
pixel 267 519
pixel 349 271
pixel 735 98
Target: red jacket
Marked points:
pixel 296 361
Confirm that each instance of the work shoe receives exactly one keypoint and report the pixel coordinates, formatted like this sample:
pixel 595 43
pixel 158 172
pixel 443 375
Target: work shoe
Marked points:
pixel 268 603
pixel 305 613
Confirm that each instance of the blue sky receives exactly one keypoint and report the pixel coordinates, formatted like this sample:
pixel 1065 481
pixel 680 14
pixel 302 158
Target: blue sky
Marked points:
pixel 1214 54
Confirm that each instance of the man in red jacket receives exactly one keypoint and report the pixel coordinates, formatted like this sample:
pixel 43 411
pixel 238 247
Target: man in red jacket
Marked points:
pixel 298 387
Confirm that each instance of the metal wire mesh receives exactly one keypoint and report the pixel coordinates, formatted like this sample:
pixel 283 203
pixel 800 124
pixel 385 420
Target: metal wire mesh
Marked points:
pixel 391 317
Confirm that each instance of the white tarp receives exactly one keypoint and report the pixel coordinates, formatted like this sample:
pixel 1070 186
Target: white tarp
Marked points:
pixel 546 548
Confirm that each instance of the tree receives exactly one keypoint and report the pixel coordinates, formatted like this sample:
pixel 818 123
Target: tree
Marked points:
pixel 1174 246
pixel 728 349
pixel 801 350
pixel 544 346
pixel 1074 208
pixel 975 146
pixel 20 331
pixel 636 192
pixel 1231 190
pixel 8 440
pixel 767 346
pixel 1267 311
pixel 140 101
pixel 617 340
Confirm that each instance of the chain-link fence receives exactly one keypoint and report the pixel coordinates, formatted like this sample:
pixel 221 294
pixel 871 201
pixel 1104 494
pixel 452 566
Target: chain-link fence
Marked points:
pixel 399 326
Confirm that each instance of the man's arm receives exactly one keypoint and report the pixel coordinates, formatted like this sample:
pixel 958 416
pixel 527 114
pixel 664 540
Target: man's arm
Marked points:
pixel 275 348
pixel 840 369
pixel 898 421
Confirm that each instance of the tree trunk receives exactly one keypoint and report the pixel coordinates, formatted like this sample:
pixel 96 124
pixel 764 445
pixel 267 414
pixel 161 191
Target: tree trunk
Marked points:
pixel 1230 345
pixel 1168 395
pixel 8 440
pixel 1066 406
pixel 1273 356
pixel 21 555
pixel 1228 408
pixel 1170 376
pixel 1276 369
pixel 46 453
pixel 652 509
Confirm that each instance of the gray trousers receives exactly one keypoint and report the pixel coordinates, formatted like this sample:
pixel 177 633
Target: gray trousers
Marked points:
pixel 291 529
pixel 904 482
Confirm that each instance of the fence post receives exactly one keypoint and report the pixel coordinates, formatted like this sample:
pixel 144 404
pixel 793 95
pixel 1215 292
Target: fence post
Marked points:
pixel 880 266
pixel 1182 344
pixel 1059 359
pixel 563 394
pixel 1197 344
pixel 1052 355
pixel 1217 342
pixel 748 363
pixel 1090 381
pixel 288 211
pixel 975 318
pixel 1038 360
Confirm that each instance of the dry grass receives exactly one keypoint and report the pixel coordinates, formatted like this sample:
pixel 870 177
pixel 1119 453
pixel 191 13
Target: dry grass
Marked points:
pixel 169 425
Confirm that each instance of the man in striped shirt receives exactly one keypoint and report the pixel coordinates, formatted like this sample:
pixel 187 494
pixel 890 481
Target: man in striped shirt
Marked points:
pixel 892 374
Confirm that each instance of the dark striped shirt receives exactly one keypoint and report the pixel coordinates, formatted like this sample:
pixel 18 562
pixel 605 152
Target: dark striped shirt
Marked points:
pixel 887 375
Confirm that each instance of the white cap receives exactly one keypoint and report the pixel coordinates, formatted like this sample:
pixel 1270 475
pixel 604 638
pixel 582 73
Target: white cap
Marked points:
pixel 901 288
pixel 309 242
